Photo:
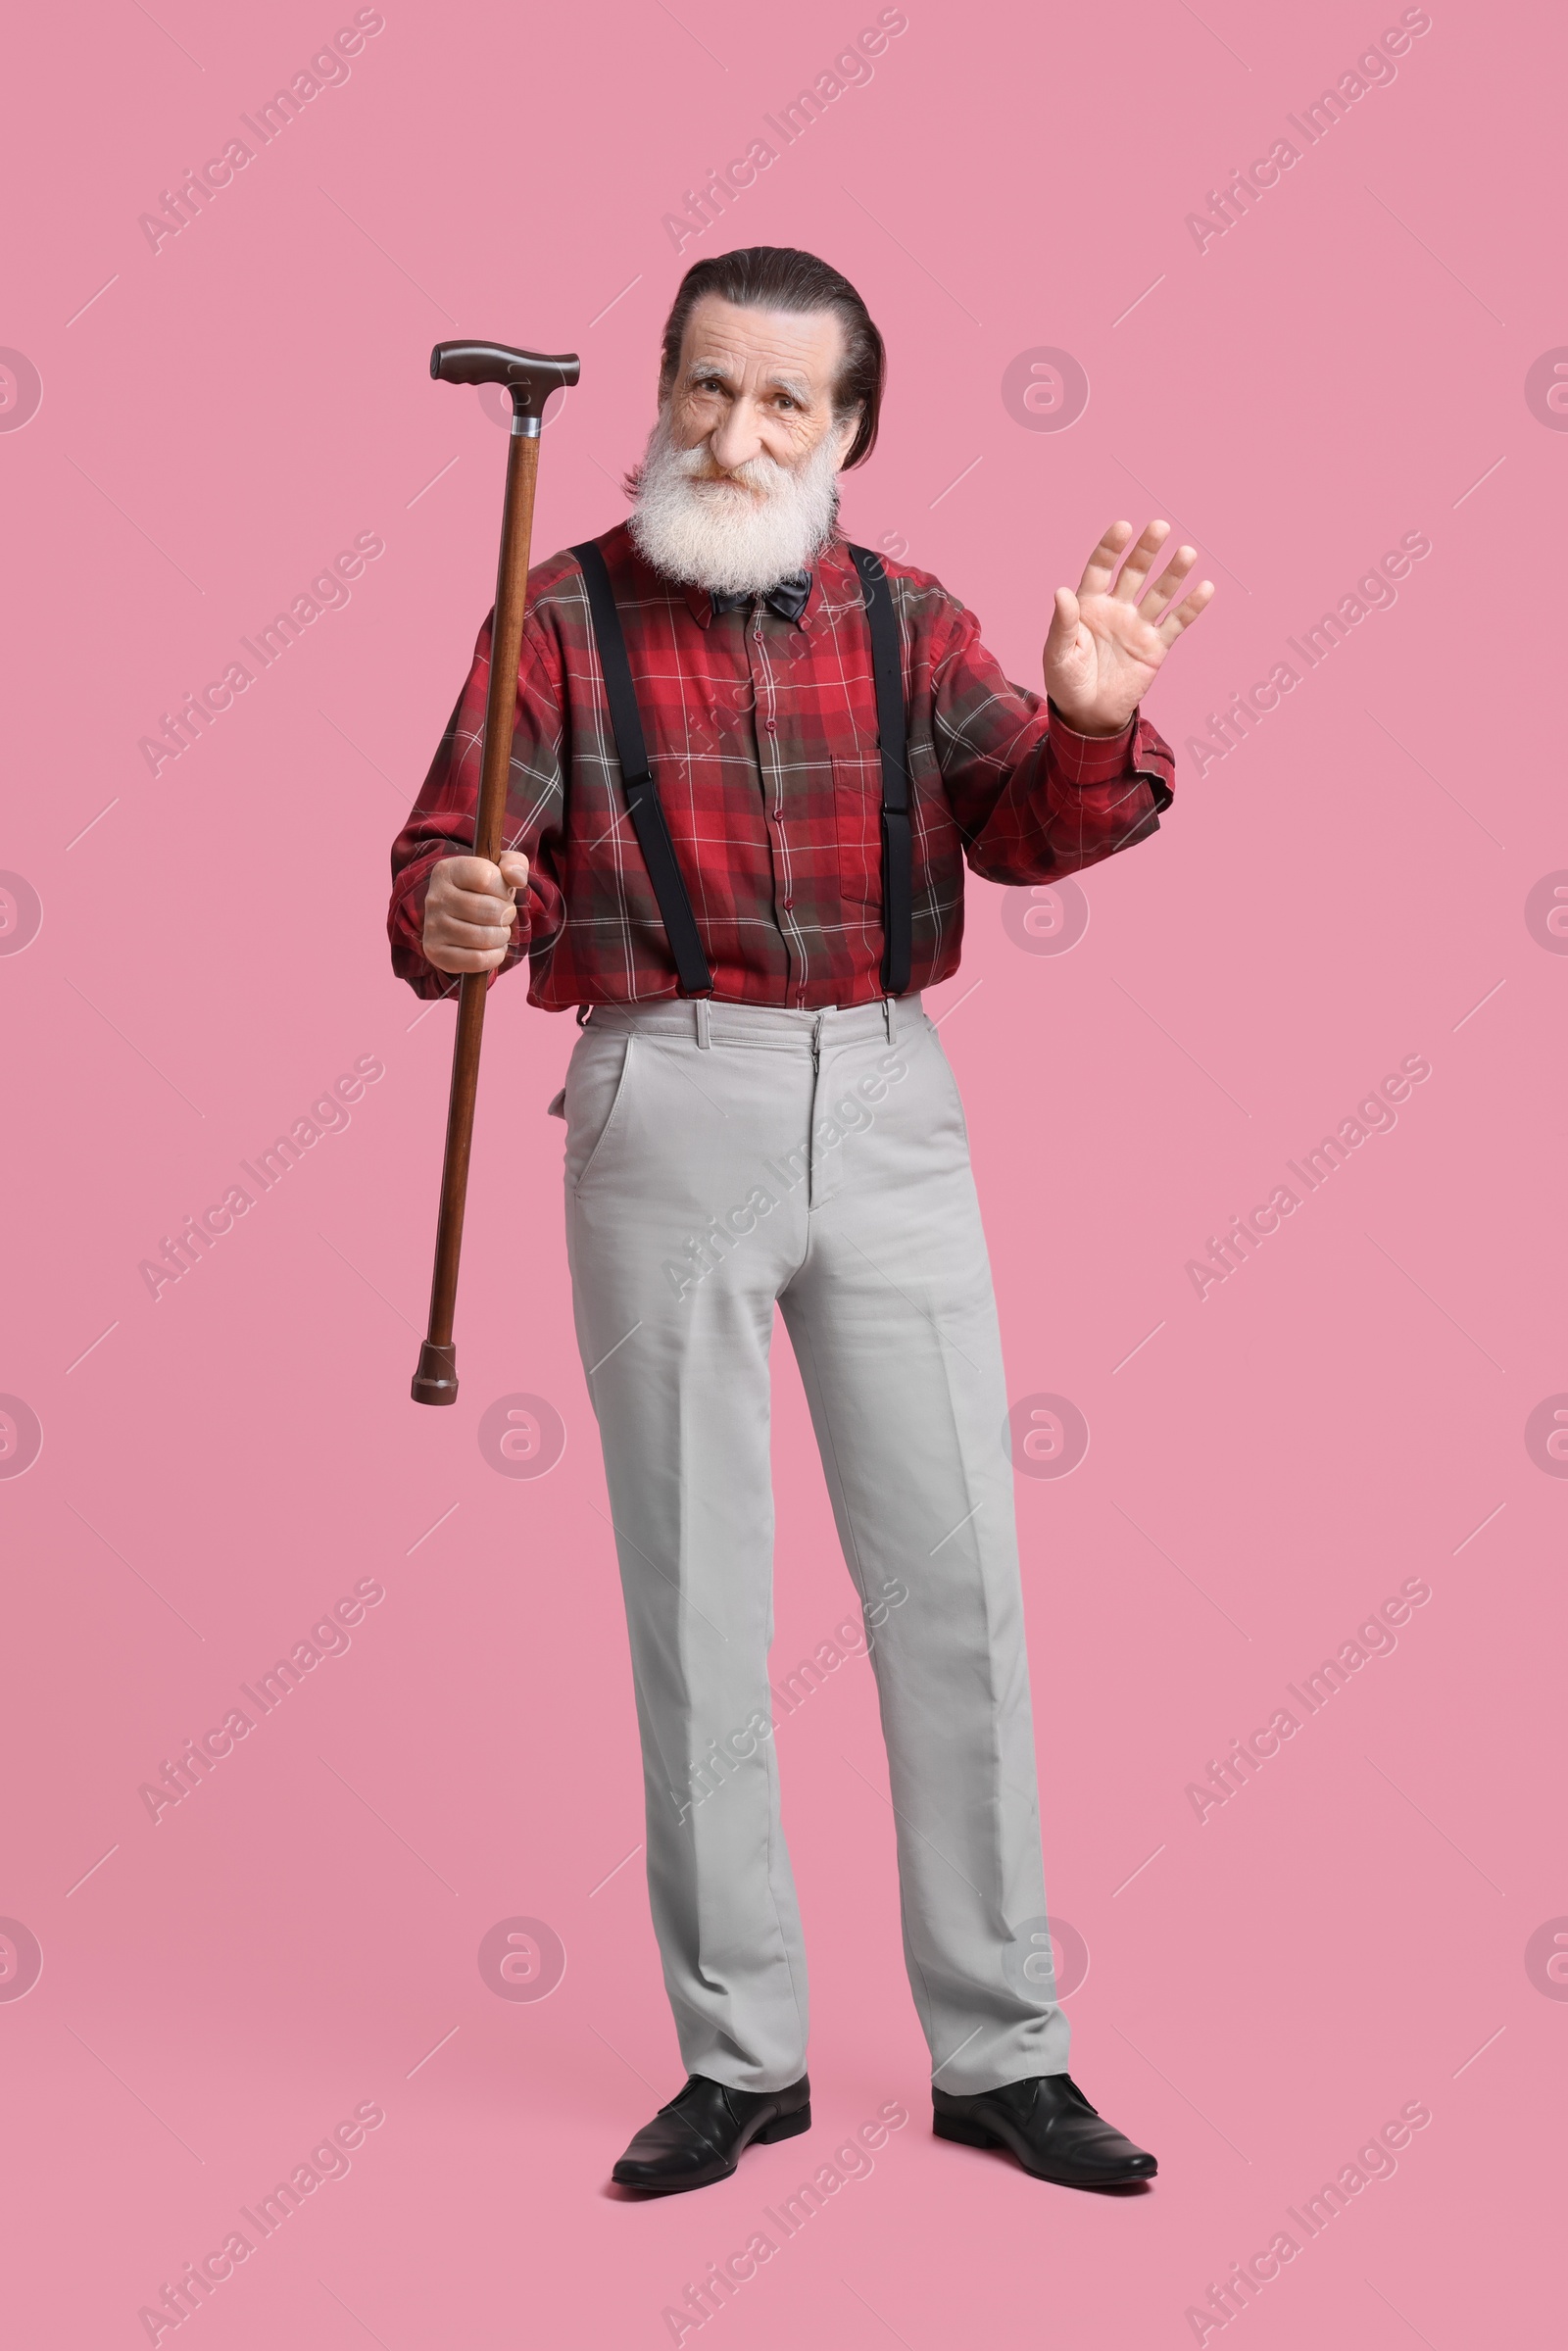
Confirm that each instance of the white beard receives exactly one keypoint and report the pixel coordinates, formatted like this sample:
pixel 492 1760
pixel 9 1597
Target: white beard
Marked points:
pixel 735 539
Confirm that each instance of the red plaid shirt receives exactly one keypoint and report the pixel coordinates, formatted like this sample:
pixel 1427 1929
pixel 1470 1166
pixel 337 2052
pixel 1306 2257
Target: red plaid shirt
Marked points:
pixel 762 736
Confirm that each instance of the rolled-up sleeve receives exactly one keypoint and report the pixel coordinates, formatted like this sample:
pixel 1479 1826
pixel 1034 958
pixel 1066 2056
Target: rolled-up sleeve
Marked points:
pixel 441 823
pixel 1034 798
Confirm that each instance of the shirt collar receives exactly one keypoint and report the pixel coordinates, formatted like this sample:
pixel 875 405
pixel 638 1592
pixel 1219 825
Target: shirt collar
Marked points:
pixel 833 561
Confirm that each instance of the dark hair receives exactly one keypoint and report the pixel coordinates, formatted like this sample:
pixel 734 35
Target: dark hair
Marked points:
pixel 778 277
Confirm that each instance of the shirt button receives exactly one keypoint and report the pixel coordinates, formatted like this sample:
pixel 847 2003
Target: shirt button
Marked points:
pixel 787 904
pixel 771 724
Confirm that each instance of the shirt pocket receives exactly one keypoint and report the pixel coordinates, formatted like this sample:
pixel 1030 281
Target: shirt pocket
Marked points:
pixel 857 825
pixel 598 1083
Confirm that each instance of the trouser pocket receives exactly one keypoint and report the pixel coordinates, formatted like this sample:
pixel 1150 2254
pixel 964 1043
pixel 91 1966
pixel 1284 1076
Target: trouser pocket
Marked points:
pixel 593 1099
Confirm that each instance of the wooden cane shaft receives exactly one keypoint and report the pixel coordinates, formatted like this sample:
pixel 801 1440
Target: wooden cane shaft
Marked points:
pixel 505 643
pixel 455 1163
pixel 435 1382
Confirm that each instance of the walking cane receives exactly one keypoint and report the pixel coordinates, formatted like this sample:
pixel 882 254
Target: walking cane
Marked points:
pixel 530 376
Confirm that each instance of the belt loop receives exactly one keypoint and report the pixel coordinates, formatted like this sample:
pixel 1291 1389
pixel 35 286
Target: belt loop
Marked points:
pixel 701 1023
pixel 889 1022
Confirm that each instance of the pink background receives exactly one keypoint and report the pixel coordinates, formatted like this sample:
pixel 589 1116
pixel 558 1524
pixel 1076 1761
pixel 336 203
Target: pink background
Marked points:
pixel 1344 365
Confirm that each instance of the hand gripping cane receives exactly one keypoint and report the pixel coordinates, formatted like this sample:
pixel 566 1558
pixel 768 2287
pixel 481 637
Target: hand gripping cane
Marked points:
pixel 530 376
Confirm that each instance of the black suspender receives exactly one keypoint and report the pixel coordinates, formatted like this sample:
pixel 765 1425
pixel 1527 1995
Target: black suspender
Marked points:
pixel 642 793
pixel 897 858
pixel 647 812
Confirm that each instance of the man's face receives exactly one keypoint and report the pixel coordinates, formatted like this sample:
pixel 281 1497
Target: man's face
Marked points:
pixel 739 485
pixel 755 383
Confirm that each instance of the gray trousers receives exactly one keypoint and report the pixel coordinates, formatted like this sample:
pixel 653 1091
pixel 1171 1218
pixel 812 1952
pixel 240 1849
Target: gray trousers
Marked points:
pixel 721 1158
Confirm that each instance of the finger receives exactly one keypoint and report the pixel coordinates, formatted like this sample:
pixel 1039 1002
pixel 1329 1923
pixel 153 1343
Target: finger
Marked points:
pixel 469 905
pixel 1182 615
pixel 446 958
pixel 458 958
pixel 450 902
pixel 459 930
pixel 1100 568
pixel 1140 562
pixel 513 870
pixel 1169 581
pixel 471 873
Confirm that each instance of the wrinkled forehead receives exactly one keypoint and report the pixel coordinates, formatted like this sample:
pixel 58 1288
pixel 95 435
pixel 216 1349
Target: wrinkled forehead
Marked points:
pixel 753 350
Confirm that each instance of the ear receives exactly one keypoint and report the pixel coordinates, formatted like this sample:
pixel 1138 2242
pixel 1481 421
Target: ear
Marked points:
pixel 843 432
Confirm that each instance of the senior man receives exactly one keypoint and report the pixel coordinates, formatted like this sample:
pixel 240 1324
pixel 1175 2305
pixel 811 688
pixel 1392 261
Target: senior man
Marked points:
pixel 749 766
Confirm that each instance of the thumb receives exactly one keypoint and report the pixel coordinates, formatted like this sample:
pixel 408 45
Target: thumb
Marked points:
pixel 513 868
pixel 1064 618
pixel 1063 629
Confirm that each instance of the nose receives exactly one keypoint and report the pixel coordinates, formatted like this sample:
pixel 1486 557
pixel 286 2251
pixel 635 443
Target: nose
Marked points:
pixel 737 439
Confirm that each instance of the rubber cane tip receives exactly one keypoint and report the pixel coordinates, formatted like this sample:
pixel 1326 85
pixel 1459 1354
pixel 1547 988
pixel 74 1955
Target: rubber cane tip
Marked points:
pixel 436 1379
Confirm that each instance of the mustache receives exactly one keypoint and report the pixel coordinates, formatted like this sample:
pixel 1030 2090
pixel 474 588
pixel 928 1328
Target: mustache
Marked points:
pixel 759 473
pixel 692 522
pixel 699 467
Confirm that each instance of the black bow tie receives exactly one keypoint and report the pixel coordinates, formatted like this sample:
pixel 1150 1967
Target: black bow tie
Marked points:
pixel 787 597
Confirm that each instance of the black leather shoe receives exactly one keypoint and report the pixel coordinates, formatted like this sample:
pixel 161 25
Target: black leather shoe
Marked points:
pixel 700 2136
pixel 1050 2126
